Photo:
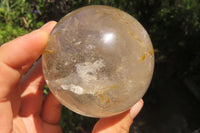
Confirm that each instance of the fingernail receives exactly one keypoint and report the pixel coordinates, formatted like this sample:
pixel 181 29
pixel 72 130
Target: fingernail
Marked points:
pixel 136 108
pixel 48 24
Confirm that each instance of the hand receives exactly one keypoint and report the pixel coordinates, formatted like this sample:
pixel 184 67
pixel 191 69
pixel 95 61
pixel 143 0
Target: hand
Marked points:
pixel 22 108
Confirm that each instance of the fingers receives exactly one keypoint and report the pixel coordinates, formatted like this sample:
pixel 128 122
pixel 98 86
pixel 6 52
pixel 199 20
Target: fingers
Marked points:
pixel 51 107
pixel 16 57
pixel 119 123
pixel 51 110
pixel 32 84
pixel 32 88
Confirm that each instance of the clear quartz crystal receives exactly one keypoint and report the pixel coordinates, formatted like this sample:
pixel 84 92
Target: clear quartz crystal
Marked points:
pixel 98 61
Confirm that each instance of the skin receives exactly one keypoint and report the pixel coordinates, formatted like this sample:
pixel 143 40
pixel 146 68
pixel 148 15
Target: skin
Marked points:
pixel 22 106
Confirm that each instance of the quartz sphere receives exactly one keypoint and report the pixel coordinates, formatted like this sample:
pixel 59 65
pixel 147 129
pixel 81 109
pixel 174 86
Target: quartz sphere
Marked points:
pixel 98 61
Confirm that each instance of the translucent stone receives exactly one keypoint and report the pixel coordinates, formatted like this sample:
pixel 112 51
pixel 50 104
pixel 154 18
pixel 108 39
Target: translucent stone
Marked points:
pixel 99 61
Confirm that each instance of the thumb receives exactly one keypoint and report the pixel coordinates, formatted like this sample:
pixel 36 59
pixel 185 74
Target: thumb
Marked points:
pixel 119 123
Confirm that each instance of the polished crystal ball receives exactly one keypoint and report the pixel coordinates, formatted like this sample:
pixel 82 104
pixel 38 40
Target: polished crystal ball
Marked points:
pixel 98 61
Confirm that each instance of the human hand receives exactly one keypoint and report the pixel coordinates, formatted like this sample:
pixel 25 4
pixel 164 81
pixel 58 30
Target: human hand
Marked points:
pixel 22 107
